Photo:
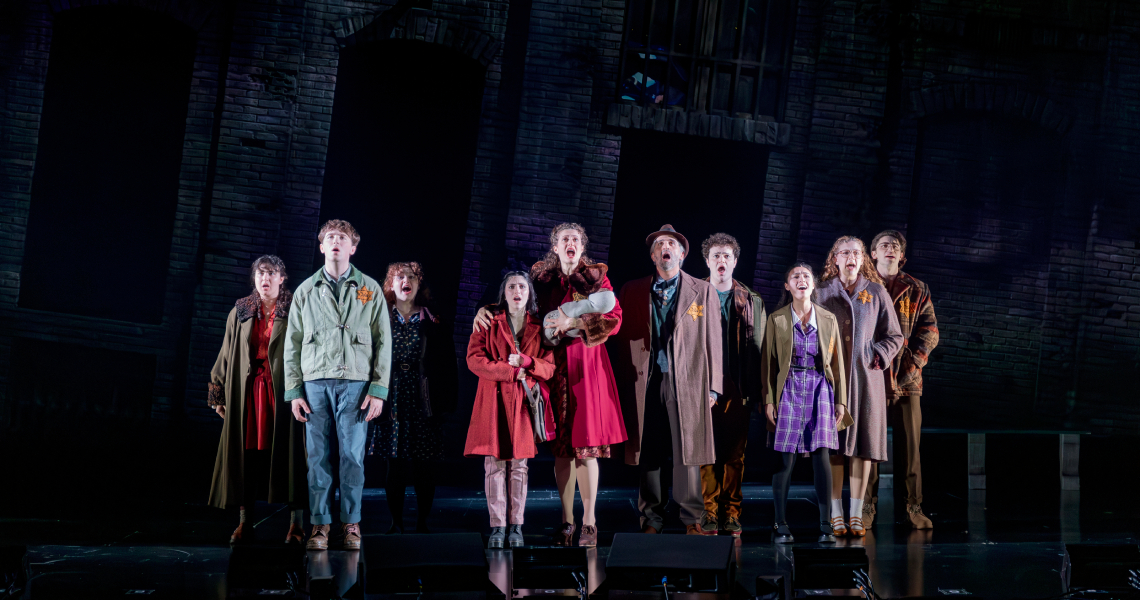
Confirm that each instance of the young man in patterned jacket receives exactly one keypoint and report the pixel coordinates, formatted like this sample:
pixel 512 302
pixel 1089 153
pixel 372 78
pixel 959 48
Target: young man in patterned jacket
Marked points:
pixel 915 311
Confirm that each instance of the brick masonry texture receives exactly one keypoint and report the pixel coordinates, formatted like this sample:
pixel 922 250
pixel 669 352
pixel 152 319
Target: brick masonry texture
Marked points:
pixel 909 114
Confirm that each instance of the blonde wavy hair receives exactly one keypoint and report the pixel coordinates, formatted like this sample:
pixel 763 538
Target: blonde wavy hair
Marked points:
pixel 830 271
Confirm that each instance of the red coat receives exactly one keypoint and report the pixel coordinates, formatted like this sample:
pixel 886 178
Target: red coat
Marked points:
pixel 500 420
pixel 590 379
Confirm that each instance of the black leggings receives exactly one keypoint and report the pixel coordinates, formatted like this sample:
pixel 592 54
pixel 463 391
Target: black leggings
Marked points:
pixel 782 482
pixel 400 471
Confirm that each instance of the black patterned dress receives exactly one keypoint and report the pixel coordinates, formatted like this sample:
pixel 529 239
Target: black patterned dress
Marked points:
pixel 404 430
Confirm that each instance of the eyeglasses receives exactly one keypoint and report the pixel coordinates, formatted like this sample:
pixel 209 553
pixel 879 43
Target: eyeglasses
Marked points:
pixel 845 253
pixel 890 246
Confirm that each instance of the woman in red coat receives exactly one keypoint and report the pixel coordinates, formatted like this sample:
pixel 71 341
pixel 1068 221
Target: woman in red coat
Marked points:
pixel 509 359
pixel 582 390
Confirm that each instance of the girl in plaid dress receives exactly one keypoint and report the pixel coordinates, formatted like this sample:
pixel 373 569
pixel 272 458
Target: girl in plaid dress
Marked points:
pixel 804 394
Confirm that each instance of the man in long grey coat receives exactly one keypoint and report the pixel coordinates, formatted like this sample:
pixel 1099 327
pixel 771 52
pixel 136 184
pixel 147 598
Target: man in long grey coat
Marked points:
pixel 669 376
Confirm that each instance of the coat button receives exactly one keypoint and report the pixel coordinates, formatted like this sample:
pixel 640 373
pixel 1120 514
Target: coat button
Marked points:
pixel 847 322
pixel 848 338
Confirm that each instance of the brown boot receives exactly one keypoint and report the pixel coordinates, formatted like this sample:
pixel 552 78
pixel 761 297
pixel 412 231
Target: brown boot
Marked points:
pixel 565 535
pixel 351 536
pixel 916 518
pixel 319 539
pixel 296 535
pixel 695 529
pixel 649 529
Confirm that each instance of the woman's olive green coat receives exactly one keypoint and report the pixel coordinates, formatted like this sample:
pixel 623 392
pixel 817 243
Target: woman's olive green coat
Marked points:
pixel 229 381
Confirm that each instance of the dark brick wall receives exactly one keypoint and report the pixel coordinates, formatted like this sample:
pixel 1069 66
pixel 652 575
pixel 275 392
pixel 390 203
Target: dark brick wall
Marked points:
pixel 1037 296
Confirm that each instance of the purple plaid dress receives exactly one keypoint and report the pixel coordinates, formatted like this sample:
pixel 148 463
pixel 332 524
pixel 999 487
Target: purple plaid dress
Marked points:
pixel 806 418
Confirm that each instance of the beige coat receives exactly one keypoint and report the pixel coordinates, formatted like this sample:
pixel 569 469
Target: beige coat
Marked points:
pixel 776 356
pixel 696 363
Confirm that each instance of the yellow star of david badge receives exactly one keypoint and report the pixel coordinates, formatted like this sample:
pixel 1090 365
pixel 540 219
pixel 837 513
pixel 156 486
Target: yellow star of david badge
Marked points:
pixel 576 296
pixel 904 306
pixel 864 296
pixel 696 310
pixel 365 295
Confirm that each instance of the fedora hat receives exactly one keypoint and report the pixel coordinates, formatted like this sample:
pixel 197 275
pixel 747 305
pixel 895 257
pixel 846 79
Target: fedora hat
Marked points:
pixel 668 230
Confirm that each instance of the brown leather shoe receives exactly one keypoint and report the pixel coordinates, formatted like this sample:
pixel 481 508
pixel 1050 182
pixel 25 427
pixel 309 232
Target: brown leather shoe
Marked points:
pixel 296 535
pixel 916 518
pixel 319 539
pixel 351 534
pixel 243 534
pixel 695 529
pixel 565 535
pixel 589 536
pixel 649 529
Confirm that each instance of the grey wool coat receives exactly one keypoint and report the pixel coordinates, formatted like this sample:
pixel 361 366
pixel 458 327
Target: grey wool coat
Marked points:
pixel 229 380
pixel 868 326
pixel 695 359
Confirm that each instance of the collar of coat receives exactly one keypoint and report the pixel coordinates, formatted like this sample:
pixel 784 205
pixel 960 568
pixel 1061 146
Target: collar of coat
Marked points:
pixel 354 275
pixel 586 279
pixel 907 280
pixel 742 304
pixel 247 307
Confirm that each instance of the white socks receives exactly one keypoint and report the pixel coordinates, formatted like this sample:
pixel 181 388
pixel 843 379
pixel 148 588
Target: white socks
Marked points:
pixel 836 508
pixel 241 514
pixel 856 508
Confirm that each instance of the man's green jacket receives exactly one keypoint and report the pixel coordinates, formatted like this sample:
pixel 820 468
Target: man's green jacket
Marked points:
pixel 347 337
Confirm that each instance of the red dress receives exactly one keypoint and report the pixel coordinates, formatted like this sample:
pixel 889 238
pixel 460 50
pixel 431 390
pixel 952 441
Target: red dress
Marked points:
pixel 259 406
pixel 583 390
pixel 500 420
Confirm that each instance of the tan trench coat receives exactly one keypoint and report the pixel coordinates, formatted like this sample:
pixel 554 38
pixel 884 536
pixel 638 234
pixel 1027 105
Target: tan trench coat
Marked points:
pixel 228 384
pixel 696 363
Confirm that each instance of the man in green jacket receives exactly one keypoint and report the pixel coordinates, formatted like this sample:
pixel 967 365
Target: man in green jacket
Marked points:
pixel 338 354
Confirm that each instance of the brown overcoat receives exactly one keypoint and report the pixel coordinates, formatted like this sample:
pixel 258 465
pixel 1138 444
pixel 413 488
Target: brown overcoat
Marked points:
pixel 229 381
pixel 696 363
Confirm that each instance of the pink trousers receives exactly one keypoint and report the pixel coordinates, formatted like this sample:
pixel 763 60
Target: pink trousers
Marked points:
pixel 505 498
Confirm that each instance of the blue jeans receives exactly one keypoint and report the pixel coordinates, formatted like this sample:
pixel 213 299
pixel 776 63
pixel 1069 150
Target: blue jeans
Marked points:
pixel 336 400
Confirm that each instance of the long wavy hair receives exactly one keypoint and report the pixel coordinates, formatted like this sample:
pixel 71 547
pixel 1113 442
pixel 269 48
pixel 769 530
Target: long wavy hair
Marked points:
pixel 830 271
pixel 531 300
pixel 551 260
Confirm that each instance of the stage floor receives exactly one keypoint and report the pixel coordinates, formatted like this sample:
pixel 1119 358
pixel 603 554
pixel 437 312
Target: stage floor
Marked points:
pixel 1007 545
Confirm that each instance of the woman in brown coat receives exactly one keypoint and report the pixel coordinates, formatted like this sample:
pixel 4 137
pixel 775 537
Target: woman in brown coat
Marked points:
pixel 510 361
pixel 852 290
pixel 261 453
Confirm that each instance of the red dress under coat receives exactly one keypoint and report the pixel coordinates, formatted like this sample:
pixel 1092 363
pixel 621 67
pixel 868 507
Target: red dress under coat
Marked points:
pixel 583 389
pixel 500 420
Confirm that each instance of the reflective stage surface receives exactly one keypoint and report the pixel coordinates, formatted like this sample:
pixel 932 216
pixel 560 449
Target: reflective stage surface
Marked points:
pixel 1007 549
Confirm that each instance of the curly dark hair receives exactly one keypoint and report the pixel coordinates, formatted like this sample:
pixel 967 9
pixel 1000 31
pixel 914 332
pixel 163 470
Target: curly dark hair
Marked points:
pixel 720 239
pixel 423 295
pixel 895 234
pixel 551 260
pixel 269 263
pixel 531 299
pixel 830 271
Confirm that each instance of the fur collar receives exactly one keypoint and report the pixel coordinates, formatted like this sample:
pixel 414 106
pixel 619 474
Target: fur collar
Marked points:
pixel 247 307
pixel 586 279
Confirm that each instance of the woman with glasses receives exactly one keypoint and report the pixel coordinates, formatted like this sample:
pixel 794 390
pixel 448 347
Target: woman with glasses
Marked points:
pixel 870 337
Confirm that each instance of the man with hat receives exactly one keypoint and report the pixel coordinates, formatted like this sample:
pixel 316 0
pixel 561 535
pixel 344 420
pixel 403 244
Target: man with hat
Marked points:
pixel 669 377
